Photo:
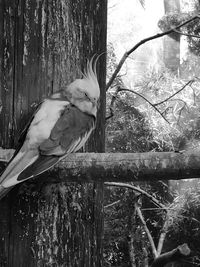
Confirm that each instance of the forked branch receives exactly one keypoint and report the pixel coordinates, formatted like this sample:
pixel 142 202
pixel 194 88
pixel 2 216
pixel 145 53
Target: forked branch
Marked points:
pixel 119 89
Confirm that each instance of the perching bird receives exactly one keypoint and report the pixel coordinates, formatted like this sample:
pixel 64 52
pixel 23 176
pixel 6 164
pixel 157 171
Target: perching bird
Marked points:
pixel 61 125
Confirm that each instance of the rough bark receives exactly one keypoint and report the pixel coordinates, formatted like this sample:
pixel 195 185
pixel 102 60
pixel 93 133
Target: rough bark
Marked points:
pixel 124 167
pixel 132 255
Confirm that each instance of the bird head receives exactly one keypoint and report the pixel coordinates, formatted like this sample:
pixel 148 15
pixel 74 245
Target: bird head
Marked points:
pixel 84 93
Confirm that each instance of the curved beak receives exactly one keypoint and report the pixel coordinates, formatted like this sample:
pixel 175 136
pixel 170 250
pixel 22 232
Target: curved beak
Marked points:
pixel 94 101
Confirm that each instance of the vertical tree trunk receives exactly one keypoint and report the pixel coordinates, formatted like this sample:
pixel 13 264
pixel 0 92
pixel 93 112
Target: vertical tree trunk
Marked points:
pixel 132 251
pixel 44 45
pixel 172 41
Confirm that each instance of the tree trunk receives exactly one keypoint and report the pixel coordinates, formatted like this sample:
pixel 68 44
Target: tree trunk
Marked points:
pixel 146 258
pixel 132 251
pixel 43 46
pixel 171 42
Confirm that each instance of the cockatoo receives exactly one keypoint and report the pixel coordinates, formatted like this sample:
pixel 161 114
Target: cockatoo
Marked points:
pixel 61 125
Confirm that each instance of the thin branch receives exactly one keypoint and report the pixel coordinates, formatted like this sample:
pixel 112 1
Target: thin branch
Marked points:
pixel 112 204
pixel 158 208
pixel 155 201
pixel 181 100
pixel 134 92
pixel 119 89
pixel 187 34
pixel 112 103
pixel 139 190
pixel 163 234
pixel 153 247
pixel 127 53
pixel 182 88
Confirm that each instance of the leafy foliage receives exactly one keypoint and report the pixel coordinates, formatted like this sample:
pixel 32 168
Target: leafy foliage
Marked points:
pixel 185 222
pixel 181 111
pixel 138 127
pixel 128 131
pixel 120 226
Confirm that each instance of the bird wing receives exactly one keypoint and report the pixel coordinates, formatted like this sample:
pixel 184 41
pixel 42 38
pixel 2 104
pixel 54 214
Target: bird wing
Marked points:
pixel 37 130
pixel 69 134
pixel 23 133
pixel 4 191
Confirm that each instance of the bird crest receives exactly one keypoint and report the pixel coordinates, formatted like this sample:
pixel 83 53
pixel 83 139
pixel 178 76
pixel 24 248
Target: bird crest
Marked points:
pixel 90 76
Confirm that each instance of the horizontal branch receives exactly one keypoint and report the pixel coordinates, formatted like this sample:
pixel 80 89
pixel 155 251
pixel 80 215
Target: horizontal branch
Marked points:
pixel 126 167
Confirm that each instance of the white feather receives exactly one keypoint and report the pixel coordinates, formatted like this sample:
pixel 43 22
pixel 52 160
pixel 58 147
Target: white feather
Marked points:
pixel 13 179
pixel 39 130
pixel 44 121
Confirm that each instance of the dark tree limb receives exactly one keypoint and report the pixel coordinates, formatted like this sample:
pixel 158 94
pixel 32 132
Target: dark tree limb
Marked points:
pixel 177 254
pixel 113 99
pixel 171 96
pixel 153 105
pixel 125 167
pixel 187 34
pixel 119 89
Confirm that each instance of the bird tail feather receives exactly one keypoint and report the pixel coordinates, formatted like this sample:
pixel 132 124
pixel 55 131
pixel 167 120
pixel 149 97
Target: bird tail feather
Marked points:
pixel 40 165
pixel 19 163
pixel 4 191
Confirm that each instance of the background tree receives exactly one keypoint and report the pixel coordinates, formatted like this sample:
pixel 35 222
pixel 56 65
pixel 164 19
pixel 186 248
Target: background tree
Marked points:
pixel 171 43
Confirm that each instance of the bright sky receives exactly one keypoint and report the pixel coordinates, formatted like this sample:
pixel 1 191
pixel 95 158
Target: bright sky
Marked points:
pixel 128 23
pixel 128 20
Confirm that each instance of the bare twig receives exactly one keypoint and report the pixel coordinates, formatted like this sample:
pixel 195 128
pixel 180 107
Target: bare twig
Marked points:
pixel 163 234
pixel 112 204
pixel 112 103
pixel 127 53
pixel 134 92
pixel 180 100
pixel 119 89
pixel 187 34
pixel 155 201
pixel 182 88
pixel 140 215
pixel 139 190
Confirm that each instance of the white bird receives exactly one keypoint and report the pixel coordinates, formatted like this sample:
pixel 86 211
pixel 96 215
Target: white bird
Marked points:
pixel 61 125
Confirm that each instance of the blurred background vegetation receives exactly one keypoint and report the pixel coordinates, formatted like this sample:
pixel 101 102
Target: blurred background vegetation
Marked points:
pixel 164 71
